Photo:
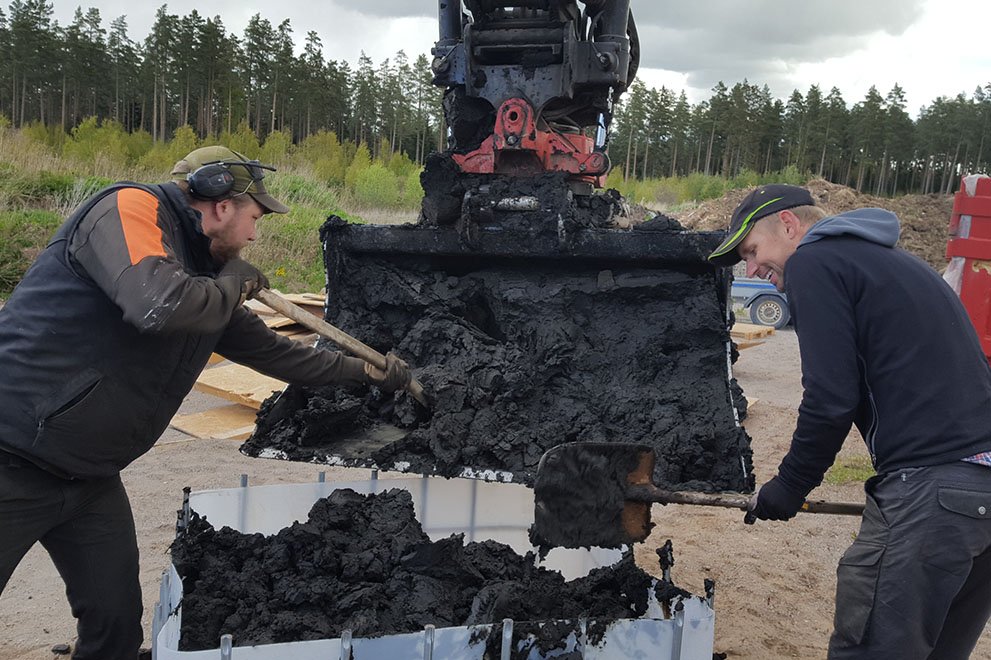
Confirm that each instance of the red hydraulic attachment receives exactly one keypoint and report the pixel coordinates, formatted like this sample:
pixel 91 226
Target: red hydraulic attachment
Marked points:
pixel 969 249
pixel 518 147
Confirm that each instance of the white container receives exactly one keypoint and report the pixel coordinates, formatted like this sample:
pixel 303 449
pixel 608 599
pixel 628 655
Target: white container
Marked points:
pixel 481 510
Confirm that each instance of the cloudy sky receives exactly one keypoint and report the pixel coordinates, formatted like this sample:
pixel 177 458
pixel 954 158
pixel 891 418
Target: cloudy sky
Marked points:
pixel 929 47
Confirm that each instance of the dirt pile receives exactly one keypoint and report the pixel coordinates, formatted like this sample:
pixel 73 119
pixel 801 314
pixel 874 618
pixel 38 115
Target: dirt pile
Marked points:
pixel 364 563
pixel 925 219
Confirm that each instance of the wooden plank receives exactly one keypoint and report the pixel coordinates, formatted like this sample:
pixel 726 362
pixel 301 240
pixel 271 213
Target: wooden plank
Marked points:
pixel 750 331
pixel 747 344
pixel 239 384
pixel 277 322
pixel 231 422
pixel 260 309
pixel 296 331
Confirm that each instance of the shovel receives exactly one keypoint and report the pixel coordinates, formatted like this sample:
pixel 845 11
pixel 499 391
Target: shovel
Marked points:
pixel 599 494
pixel 339 337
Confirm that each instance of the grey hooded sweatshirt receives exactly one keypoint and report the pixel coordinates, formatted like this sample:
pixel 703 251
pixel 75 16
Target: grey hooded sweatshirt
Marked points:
pixel 885 345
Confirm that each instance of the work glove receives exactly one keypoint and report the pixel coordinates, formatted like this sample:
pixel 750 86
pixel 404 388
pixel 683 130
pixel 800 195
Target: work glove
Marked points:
pixel 773 501
pixel 252 280
pixel 395 377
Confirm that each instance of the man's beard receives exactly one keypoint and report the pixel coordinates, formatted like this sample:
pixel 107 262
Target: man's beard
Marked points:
pixel 223 253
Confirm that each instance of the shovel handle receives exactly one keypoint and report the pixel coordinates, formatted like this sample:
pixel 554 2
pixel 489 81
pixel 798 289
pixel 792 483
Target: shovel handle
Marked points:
pixel 650 493
pixel 339 337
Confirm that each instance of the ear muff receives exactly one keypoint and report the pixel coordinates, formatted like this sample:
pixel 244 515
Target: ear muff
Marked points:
pixel 213 182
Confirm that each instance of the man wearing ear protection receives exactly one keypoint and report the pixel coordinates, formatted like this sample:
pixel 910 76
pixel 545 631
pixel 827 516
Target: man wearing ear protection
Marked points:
pixel 100 342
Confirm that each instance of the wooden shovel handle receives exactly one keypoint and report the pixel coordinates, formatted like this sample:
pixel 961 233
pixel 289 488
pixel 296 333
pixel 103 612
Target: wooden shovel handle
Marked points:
pixel 339 337
pixel 650 493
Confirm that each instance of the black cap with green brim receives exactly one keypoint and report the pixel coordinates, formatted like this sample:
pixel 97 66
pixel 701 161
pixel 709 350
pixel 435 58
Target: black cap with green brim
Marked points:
pixel 761 202
pixel 247 177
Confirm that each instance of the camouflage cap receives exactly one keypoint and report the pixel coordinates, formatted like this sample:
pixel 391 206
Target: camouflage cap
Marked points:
pixel 247 178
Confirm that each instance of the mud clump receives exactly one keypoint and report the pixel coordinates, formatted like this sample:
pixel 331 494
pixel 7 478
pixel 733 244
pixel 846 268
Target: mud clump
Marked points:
pixel 364 563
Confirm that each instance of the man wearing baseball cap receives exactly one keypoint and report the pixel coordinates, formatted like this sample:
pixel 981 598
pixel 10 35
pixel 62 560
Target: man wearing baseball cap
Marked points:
pixel 99 344
pixel 887 346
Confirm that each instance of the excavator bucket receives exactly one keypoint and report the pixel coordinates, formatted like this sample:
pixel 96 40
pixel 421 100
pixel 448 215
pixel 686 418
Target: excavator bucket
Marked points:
pixel 529 329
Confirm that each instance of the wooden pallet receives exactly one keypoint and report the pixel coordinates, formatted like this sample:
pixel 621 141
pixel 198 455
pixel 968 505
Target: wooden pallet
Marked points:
pixel 230 422
pixel 749 331
pixel 239 384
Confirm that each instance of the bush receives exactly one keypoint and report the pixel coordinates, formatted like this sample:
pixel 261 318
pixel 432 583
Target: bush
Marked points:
pixel 92 140
pixel 745 179
pixel 50 136
pixel 362 160
pixel 278 147
pixel 326 154
pixel 138 144
pixel 615 179
pixel 23 234
pixel 413 190
pixel 377 186
pixel 243 140
pixel 401 165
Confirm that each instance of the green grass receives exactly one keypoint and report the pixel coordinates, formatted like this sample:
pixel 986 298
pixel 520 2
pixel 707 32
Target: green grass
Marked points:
pixel 848 470
pixel 23 234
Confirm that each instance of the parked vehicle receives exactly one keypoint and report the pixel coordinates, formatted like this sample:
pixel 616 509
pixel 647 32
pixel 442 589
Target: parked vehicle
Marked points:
pixel 768 306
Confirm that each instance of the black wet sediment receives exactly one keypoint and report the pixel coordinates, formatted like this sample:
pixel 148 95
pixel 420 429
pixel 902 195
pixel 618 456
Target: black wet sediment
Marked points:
pixel 580 495
pixel 362 562
pixel 517 354
pixel 516 359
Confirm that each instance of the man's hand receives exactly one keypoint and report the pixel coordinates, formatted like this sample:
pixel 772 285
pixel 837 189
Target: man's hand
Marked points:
pixel 252 280
pixel 395 377
pixel 773 501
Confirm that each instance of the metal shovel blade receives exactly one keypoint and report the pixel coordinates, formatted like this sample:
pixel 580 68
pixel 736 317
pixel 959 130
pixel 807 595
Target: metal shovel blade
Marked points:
pixel 580 495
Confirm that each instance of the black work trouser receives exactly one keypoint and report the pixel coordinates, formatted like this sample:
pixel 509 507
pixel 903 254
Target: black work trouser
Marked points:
pixel 916 583
pixel 88 530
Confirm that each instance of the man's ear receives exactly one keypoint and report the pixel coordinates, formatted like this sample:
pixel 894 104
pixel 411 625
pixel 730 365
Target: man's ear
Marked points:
pixel 790 222
pixel 224 210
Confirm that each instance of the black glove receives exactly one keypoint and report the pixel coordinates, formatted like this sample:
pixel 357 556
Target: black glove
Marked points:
pixel 252 280
pixel 773 501
pixel 395 377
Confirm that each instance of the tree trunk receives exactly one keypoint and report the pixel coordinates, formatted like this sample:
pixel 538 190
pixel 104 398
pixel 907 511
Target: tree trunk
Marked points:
pixel 952 174
pixel 154 111
pixel 62 122
pixel 882 172
pixel 629 148
pixel 646 151
pixel 163 115
pixel 24 93
pixel 674 160
pixel 708 151
pixel 636 150
pixel 271 123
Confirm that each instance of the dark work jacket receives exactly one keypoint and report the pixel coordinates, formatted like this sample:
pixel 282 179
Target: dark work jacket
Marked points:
pixel 886 345
pixel 111 325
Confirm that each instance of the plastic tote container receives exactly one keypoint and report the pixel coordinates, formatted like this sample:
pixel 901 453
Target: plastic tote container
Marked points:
pixel 481 510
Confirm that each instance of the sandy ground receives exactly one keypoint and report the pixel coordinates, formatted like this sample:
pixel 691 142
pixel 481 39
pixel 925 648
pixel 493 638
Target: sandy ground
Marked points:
pixel 774 581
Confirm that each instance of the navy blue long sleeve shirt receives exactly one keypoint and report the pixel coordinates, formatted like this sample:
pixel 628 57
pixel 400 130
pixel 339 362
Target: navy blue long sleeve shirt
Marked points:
pixel 886 345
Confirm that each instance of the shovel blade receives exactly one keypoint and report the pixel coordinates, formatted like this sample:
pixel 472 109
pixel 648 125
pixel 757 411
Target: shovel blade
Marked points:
pixel 580 495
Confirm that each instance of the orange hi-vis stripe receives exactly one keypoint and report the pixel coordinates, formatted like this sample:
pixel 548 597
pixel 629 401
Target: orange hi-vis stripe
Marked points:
pixel 139 218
